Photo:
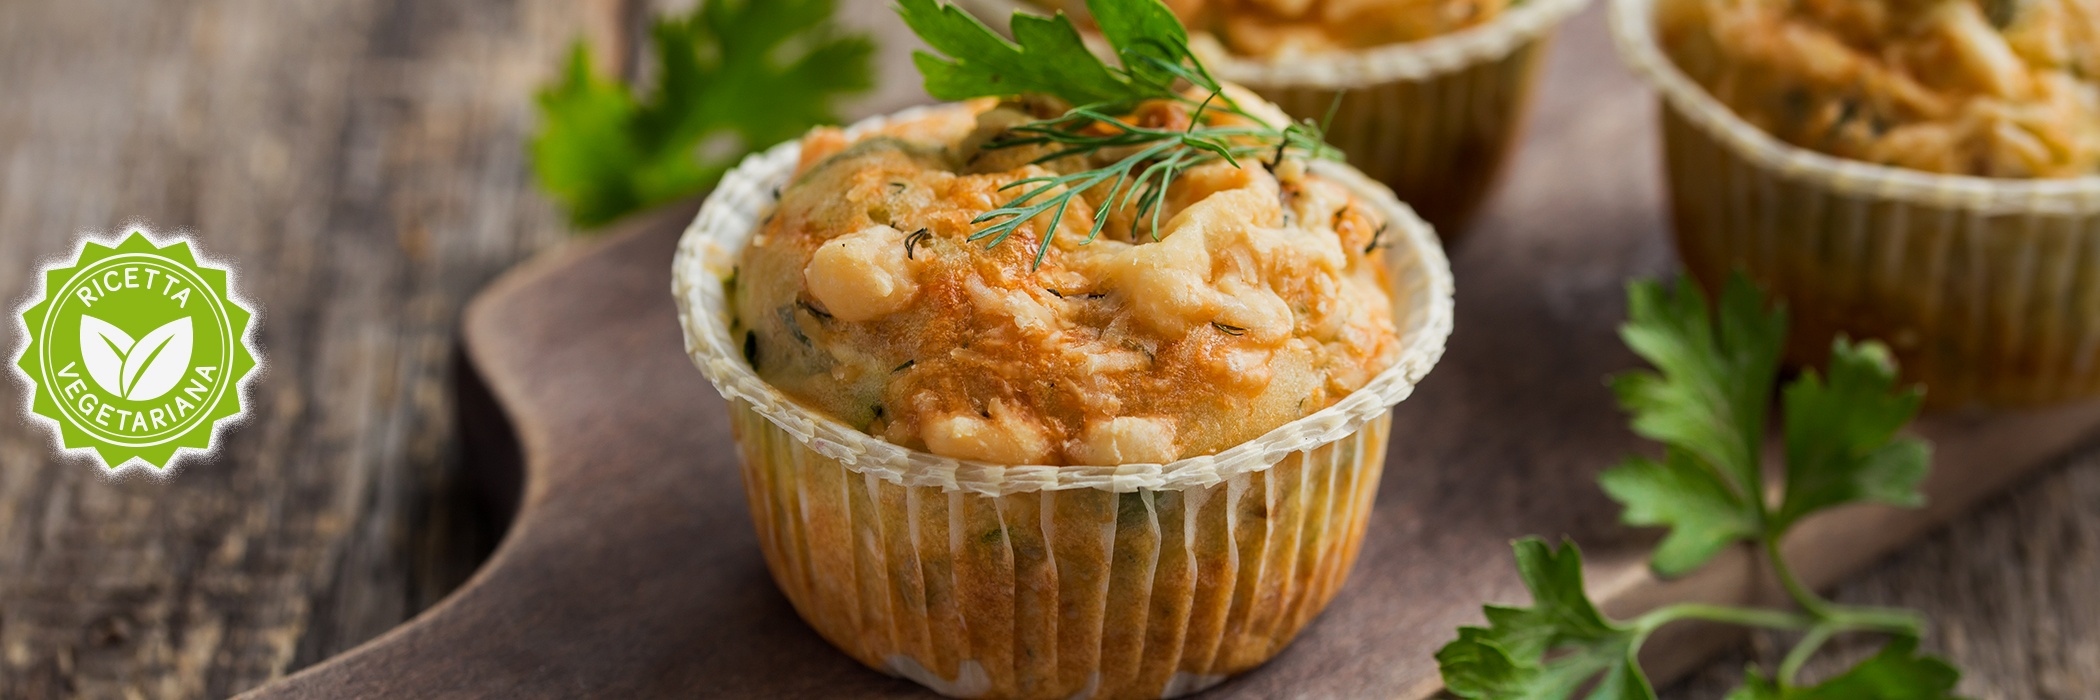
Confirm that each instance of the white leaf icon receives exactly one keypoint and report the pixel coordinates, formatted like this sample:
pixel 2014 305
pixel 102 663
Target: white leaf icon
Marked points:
pixel 102 349
pixel 139 370
pixel 158 361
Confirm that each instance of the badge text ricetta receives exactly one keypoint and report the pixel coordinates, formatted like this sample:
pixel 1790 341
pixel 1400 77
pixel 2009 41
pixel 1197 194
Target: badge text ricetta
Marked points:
pixel 127 277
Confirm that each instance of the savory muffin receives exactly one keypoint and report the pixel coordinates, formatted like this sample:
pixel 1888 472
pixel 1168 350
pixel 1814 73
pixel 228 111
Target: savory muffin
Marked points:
pixel 1048 401
pixel 1260 298
pixel 1131 470
pixel 1996 88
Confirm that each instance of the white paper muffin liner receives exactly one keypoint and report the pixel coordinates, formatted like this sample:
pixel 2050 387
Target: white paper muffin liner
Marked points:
pixel 983 580
pixel 1987 289
pixel 1433 119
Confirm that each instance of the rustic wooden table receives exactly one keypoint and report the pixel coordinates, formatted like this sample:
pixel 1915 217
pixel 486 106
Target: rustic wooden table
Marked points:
pixel 361 162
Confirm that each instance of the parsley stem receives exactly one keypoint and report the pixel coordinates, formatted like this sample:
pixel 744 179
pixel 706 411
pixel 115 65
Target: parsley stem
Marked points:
pixel 1790 667
pixel 1746 617
pixel 1905 623
pixel 1847 617
pixel 1802 595
pixel 1831 618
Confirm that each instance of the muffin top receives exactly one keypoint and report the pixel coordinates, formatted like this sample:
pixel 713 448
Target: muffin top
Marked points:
pixel 1271 28
pixel 1260 298
pixel 1997 88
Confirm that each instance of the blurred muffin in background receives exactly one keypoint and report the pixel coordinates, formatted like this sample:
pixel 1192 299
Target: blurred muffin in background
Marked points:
pixel 1924 172
pixel 1996 88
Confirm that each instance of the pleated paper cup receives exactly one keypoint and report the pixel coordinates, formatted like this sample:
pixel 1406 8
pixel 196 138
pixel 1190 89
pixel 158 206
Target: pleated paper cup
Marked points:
pixel 992 581
pixel 1433 119
pixel 1987 289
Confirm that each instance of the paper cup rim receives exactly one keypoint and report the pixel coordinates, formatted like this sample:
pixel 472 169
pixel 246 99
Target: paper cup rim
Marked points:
pixel 1633 31
pixel 708 250
pixel 1341 70
pixel 1406 61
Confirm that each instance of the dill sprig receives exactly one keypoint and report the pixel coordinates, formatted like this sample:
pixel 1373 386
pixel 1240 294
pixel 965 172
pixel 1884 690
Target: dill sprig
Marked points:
pixel 1050 58
pixel 1141 178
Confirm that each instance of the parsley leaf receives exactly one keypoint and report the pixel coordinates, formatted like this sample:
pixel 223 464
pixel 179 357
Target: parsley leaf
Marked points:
pixel 1715 383
pixel 588 156
pixel 1150 41
pixel 1840 433
pixel 1894 673
pixel 735 76
pixel 1047 54
pixel 1551 649
pixel 1708 403
pixel 1703 513
pixel 1841 444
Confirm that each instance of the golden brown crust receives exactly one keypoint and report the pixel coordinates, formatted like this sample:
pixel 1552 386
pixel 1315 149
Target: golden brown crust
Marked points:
pixel 1998 88
pixel 862 296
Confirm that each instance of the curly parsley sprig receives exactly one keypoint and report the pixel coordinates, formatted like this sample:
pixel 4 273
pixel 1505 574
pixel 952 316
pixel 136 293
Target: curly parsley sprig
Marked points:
pixel 1048 57
pixel 1707 402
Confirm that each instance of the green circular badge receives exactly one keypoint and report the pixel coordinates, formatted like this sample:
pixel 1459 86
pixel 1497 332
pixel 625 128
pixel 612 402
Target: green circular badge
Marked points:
pixel 137 351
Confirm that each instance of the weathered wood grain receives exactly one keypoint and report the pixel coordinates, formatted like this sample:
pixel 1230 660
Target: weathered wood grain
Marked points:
pixel 360 163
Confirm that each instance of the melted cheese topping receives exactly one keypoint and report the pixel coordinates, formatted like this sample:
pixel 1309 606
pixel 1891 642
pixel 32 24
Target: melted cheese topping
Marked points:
pixel 1999 88
pixel 1264 299
pixel 1296 27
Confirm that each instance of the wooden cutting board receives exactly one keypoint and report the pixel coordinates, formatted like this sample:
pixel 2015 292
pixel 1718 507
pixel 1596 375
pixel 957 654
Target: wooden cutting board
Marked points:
pixel 631 569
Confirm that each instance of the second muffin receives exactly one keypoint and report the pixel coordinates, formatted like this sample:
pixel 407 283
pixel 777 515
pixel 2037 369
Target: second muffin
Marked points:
pixel 1915 171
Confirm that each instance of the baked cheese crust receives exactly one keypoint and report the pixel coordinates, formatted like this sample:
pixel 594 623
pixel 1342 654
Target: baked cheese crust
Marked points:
pixel 1263 298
